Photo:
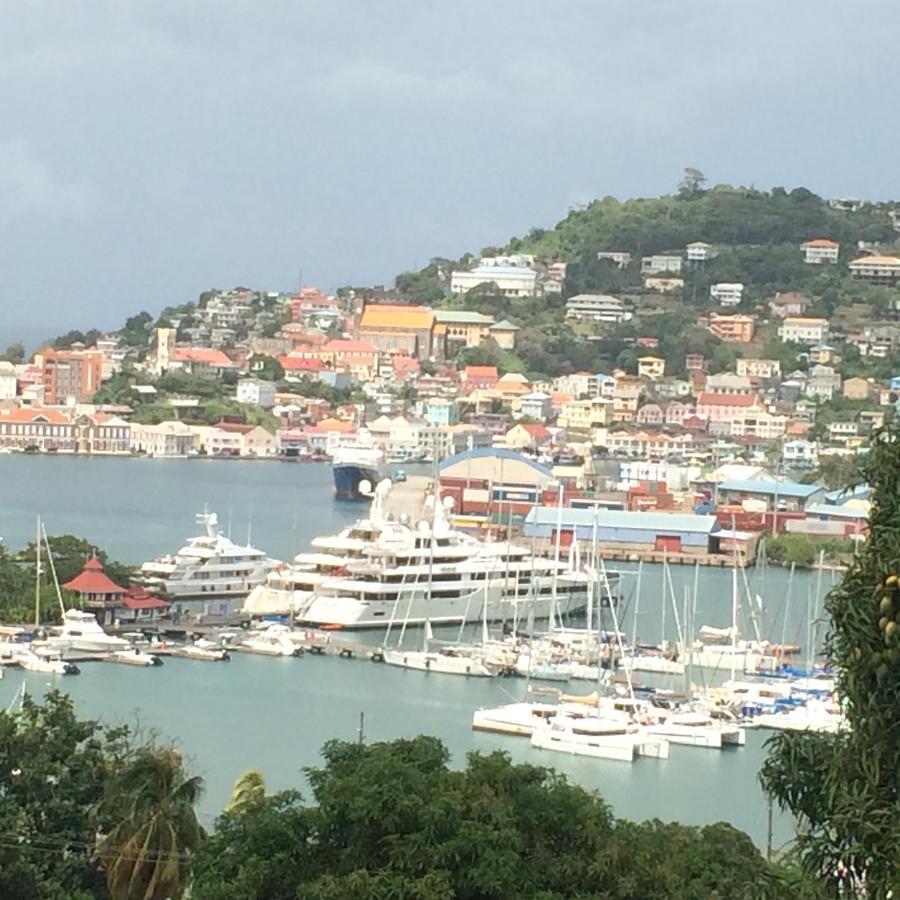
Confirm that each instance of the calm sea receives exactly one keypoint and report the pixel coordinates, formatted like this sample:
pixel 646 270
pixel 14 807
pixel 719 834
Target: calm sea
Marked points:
pixel 275 714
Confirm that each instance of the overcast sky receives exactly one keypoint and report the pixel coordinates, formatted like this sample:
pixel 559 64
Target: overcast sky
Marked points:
pixel 150 150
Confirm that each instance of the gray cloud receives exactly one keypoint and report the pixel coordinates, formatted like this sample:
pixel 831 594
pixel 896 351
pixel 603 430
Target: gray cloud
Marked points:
pixel 151 149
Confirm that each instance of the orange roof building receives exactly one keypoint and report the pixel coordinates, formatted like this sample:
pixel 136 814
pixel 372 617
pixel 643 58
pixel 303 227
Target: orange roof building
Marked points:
pixel 396 328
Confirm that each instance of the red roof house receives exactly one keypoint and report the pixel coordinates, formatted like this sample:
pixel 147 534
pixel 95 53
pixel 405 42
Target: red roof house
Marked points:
pixel 480 377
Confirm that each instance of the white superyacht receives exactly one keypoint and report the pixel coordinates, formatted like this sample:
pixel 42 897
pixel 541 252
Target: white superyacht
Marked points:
pixel 209 565
pixel 381 571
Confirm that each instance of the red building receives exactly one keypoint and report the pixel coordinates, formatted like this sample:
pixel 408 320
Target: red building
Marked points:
pixel 70 374
pixel 97 591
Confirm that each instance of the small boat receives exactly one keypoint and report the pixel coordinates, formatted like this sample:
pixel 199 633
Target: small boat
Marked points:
pixel 81 633
pixel 134 656
pixel 698 729
pixel 49 664
pixel 203 654
pixel 601 738
pixel 271 642
pixel 513 718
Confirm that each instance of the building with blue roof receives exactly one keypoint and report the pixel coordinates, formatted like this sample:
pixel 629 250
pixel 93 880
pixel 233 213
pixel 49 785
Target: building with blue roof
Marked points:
pixel 622 529
pixel 784 496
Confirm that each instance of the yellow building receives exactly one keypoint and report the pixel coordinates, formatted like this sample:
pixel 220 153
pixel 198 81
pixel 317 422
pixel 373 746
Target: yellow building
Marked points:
pixel 456 329
pixel 393 328
pixel 585 415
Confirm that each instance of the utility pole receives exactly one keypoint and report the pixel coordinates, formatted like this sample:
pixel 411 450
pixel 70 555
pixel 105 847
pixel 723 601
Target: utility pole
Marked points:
pixel 769 831
pixel 360 732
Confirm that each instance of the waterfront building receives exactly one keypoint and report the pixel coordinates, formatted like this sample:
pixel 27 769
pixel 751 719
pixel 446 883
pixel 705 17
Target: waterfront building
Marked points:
pixel 167 439
pixel 508 281
pixel 495 481
pixel 820 250
pixel 97 592
pixel 36 428
pixel 623 530
pixel 70 376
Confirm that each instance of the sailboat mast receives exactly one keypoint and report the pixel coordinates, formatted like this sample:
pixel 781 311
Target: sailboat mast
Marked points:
pixel 37 574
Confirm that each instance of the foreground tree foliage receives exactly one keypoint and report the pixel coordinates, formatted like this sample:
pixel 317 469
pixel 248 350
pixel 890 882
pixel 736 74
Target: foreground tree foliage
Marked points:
pixel 53 769
pixel 392 820
pixel 845 788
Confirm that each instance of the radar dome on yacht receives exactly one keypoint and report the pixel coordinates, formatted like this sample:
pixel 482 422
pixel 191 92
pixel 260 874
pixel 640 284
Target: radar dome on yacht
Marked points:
pixel 448 503
pixel 365 487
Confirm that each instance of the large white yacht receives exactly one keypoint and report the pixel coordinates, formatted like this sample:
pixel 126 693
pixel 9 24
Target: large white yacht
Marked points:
pixel 210 565
pixel 382 571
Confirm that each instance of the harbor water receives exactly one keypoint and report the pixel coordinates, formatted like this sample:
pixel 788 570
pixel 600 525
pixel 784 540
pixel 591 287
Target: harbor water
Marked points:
pixel 274 714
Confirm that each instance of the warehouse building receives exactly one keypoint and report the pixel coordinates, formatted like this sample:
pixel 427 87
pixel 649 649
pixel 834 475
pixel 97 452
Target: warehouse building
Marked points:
pixel 618 530
pixel 492 481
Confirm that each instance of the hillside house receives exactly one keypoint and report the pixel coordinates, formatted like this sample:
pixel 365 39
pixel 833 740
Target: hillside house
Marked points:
pixel 732 328
pixel 661 264
pixel 857 388
pixel 789 303
pixel 820 250
pixel 803 330
pixel 651 367
pixel 727 293
pixel 698 251
pixel 621 259
pixel 597 308
pixel 758 368
pixel 876 269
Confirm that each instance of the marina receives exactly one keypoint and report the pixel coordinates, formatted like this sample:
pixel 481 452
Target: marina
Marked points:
pixel 336 676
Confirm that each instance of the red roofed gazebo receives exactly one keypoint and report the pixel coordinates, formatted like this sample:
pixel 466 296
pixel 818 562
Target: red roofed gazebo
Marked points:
pixel 97 591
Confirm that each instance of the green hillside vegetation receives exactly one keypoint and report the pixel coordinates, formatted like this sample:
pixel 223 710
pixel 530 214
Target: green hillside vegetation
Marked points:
pixel 756 236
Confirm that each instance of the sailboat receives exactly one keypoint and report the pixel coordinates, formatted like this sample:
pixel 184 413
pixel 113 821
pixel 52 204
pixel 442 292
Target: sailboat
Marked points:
pixel 448 660
pixel 34 657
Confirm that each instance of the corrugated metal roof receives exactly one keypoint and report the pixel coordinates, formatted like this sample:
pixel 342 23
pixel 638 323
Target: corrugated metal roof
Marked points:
pixel 837 512
pixel 612 518
pixel 782 488
pixel 495 452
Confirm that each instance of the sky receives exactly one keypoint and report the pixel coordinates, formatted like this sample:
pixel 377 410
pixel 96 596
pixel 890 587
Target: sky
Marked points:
pixel 152 150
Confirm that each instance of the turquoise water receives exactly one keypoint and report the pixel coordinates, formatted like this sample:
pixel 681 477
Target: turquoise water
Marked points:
pixel 275 714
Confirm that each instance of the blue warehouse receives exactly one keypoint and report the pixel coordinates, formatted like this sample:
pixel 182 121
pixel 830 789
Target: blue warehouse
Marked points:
pixel 622 530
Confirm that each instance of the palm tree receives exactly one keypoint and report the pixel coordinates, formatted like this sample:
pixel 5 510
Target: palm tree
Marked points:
pixel 154 829
pixel 250 788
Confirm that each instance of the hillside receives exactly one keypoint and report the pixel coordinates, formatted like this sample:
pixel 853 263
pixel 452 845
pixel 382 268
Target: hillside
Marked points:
pixel 756 236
